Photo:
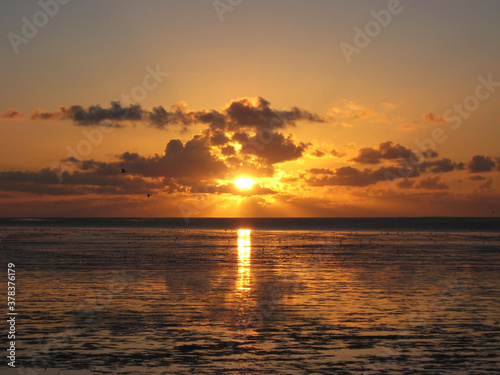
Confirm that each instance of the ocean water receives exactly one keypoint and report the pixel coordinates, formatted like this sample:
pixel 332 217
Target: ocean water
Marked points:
pixel 129 298
pixel 407 224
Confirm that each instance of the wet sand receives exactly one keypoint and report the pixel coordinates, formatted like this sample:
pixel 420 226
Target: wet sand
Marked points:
pixel 154 301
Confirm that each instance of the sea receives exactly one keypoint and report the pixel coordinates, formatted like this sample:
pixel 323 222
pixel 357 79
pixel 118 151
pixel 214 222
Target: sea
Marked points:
pixel 250 296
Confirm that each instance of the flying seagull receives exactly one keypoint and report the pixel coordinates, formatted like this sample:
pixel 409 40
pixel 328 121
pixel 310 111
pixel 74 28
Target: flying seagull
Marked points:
pixel 124 171
pixel 148 195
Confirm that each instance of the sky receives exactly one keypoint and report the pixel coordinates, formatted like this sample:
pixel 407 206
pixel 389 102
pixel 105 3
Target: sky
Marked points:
pixel 327 108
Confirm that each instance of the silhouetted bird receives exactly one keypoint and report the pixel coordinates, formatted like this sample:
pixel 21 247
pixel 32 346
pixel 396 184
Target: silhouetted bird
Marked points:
pixel 124 171
pixel 148 195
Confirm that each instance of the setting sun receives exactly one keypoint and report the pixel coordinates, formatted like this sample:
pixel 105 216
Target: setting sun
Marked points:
pixel 244 183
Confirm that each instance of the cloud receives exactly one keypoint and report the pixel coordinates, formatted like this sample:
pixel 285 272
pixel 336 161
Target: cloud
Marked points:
pixel 219 138
pixel 320 171
pixel 46 182
pixel 337 154
pixel 349 176
pixel 434 118
pixel 318 153
pixel 192 159
pixel 368 155
pixel 11 114
pixel 243 113
pixel 487 185
pixel 273 148
pixel 228 150
pixel 386 151
pixel 257 113
pixel 41 115
pixel 431 183
pixel 180 166
pixel 440 166
pixel 93 115
pixel 480 163
pixel 159 117
pixel 215 119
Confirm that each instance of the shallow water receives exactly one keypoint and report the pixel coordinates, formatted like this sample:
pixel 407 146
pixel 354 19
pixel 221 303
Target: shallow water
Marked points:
pixel 153 301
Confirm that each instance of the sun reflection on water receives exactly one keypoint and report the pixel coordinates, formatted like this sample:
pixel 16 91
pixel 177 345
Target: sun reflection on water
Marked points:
pixel 244 252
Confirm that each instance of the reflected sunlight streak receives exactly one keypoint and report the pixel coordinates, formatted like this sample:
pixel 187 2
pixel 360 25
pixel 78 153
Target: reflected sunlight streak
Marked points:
pixel 244 251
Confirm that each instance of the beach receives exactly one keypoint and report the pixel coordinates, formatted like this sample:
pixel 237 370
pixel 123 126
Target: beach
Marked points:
pixel 127 300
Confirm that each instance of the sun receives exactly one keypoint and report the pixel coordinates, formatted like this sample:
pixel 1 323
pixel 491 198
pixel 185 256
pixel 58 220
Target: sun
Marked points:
pixel 244 183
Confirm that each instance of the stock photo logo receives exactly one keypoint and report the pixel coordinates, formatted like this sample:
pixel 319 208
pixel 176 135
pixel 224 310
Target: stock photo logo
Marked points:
pixel 31 26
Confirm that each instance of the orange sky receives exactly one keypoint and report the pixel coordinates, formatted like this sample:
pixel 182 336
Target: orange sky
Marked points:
pixel 187 97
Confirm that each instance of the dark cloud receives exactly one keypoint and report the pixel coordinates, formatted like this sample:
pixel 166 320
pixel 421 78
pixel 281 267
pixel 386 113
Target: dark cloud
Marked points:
pixel 480 163
pixel 257 113
pixel 215 119
pixel 160 117
pixel 219 138
pixel 487 185
pixel 273 148
pixel 244 113
pixel 46 182
pixel 93 115
pixel 368 155
pixel 429 154
pixel 11 114
pixel 320 171
pixel 39 114
pixel 240 137
pixel 247 112
pixel 228 150
pixel 44 176
pixel 192 160
pixel 349 176
pixel 337 153
pixel 386 151
pixel 431 183
pixel 440 166
pixel 318 153
pixel 434 118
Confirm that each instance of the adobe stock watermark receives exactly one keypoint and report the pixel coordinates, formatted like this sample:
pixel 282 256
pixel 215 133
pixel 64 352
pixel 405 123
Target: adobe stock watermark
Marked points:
pixel 40 19
pixel 454 115
pixel 372 29
pixel 95 136
pixel 224 6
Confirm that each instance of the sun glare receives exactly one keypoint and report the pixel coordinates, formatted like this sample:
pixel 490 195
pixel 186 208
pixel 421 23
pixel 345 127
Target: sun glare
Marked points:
pixel 244 183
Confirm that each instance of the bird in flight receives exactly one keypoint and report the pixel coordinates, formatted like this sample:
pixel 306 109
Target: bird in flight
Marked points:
pixel 124 171
pixel 148 195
